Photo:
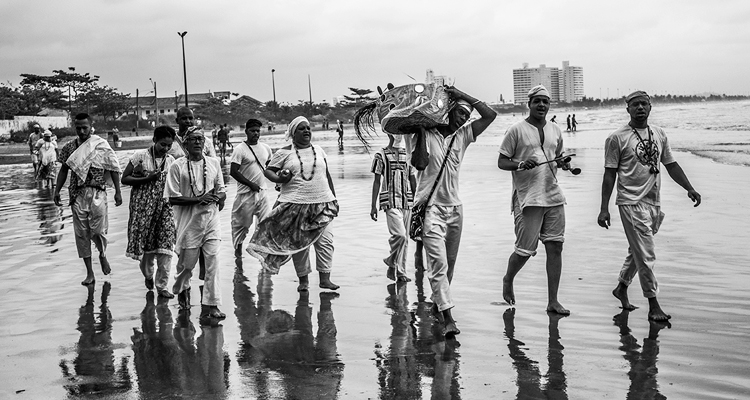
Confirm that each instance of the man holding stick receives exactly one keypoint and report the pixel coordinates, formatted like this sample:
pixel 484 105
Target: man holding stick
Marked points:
pixel 528 151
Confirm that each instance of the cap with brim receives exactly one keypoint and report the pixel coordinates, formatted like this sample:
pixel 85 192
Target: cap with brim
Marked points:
pixel 539 90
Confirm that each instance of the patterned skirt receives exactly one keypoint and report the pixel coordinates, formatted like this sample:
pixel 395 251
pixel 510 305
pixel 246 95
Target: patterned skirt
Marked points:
pixel 289 229
pixel 151 227
pixel 48 171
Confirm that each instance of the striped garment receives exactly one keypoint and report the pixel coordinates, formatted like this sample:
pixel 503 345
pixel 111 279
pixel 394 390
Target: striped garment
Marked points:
pixel 395 191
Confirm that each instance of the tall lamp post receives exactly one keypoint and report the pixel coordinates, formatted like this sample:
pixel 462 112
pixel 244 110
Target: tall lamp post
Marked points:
pixel 273 85
pixel 184 68
pixel 156 102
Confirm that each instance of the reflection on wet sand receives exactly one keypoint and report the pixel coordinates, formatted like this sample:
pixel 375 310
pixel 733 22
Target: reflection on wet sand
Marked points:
pixel 170 361
pixel 94 369
pixel 279 353
pixel 50 216
pixel 531 383
pixel 643 369
pixel 417 350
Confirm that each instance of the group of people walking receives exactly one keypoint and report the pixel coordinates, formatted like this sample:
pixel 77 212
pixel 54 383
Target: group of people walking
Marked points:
pixel 178 192
pixel 533 151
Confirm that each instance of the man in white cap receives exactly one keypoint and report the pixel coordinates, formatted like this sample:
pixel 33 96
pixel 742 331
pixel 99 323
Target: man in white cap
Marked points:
pixel 632 155
pixel 537 201
pixel 444 214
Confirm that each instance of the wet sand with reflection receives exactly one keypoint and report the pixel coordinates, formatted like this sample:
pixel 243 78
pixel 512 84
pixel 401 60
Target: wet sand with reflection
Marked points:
pixel 377 339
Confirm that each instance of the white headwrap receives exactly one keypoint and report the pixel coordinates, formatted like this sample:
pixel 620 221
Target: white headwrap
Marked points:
pixel 465 105
pixel 293 127
pixel 539 90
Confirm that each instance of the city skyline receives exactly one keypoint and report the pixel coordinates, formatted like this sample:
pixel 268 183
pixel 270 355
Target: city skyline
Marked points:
pixel 236 46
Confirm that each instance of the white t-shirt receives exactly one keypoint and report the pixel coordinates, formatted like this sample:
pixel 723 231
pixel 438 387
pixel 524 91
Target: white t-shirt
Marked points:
pixel 197 223
pixel 536 187
pixel 249 167
pixel 299 190
pixel 47 153
pixel 446 192
pixel 624 151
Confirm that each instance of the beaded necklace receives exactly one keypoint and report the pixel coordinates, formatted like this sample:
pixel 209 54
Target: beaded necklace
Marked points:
pixel 190 178
pixel 302 168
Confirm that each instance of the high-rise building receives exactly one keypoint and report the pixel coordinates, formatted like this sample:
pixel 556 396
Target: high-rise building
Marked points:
pixel 438 80
pixel 564 85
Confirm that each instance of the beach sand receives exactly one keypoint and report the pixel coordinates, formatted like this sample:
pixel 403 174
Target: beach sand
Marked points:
pixel 377 340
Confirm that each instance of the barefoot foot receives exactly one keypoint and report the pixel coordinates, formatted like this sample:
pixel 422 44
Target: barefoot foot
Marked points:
pixel 450 330
pixel 403 278
pixel 508 294
pixel 88 281
pixel 557 308
pixel 106 269
pixel 657 314
pixel 325 281
pixel 621 293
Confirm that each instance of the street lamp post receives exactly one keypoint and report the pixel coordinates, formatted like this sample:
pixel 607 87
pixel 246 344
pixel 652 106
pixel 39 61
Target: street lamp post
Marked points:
pixel 184 68
pixel 273 84
pixel 156 102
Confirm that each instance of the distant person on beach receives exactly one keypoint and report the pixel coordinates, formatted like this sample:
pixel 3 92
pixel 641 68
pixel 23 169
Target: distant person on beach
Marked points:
pixel 151 227
pixel 195 188
pixel 47 152
pixel 395 196
pixel 340 131
pixel 632 155
pixel 573 123
pixel 186 121
pixel 569 128
pixel 554 117
pixel 537 201
pixel 94 164
pixel 223 138
pixel 438 152
pixel 303 212
pixel 249 162
pixel 34 137
pixel 115 136
pixel 135 132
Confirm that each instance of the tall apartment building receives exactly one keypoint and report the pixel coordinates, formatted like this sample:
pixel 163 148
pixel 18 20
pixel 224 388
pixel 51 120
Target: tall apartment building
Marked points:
pixel 564 84
pixel 432 78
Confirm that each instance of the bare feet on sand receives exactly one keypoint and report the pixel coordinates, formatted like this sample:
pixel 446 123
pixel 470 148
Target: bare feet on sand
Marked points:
pixel 557 308
pixel 304 284
pixel 106 269
pixel 325 282
pixel 88 281
pixel 658 315
pixel 450 330
pixel 621 293
pixel 508 294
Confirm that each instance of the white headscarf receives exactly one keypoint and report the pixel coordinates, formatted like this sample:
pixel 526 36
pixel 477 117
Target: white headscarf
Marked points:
pixel 465 105
pixel 293 127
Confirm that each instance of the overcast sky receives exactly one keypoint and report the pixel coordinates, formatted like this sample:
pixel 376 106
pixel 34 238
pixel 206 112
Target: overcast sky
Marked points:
pixel 679 47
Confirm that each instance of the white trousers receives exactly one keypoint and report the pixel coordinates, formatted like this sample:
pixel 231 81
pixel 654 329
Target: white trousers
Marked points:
pixel 161 275
pixel 323 255
pixel 641 222
pixel 187 258
pixel 245 207
pixel 90 222
pixel 441 238
pixel 398 220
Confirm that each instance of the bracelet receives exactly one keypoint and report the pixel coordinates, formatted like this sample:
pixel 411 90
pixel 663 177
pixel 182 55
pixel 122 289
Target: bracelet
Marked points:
pixel 476 102
pixel 519 165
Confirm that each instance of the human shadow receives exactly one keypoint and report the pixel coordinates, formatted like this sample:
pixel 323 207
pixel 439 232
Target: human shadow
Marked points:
pixel 532 384
pixel 307 363
pixel 398 374
pixel 169 360
pixel 643 370
pixel 95 369
pixel 437 357
pixel 50 217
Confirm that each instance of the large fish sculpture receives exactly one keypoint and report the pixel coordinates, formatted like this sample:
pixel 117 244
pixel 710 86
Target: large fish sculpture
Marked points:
pixel 401 109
